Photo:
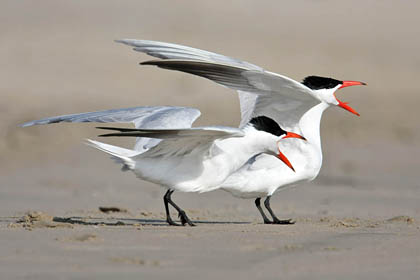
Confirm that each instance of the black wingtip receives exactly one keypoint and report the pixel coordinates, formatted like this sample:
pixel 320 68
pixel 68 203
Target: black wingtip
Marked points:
pixel 110 134
pixel 112 128
pixel 124 133
pixel 149 62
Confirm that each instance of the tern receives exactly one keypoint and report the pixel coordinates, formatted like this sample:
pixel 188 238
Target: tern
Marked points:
pixel 295 106
pixel 182 159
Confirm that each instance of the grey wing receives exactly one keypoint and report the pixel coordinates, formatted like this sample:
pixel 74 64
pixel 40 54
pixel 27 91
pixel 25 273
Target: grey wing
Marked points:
pixel 286 111
pixel 260 92
pixel 178 142
pixel 174 51
pixel 238 78
pixel 169 117
pixel 146 117
pixel 210 132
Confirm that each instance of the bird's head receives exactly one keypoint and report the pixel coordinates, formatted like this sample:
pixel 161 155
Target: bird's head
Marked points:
pixel 325 89
pixel 274 131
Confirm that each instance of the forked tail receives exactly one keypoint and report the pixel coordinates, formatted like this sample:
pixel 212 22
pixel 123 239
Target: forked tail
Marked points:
pixel 120 155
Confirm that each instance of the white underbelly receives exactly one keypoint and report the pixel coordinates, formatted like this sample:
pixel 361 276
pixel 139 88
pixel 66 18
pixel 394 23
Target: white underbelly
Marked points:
pixel 182 173
pixel 267 174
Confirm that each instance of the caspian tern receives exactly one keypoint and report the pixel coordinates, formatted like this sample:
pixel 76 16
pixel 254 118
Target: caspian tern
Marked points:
pixel 296 106
pixel 183 159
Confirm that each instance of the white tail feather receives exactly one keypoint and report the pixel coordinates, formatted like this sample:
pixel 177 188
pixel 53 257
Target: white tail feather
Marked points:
pixel 120 155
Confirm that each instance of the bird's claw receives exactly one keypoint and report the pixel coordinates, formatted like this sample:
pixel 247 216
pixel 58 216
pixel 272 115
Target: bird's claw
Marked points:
pixel 283 222
pixel 184 219
pixel 172 223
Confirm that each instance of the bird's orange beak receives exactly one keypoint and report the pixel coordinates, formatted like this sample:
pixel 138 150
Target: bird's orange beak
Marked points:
pixel 345 105
pixel 284 159
pixel 294 135
pixel 281 156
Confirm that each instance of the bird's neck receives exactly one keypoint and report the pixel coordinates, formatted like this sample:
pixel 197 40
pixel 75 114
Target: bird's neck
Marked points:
pixel 310 124
pixel 240 149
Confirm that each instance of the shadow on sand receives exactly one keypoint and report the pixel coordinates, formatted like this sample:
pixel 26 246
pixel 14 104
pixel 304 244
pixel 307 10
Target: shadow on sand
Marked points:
pixel 92 221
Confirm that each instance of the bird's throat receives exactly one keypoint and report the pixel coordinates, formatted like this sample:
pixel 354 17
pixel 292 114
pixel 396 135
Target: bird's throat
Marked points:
pixel 310 124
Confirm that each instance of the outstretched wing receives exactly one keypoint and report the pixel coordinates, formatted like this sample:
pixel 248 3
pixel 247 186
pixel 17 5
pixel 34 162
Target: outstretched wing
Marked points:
pixel 278 97
pixel 260 92
pixel 178 141
pixel 204 131
pixel 173 51
pixel 145 117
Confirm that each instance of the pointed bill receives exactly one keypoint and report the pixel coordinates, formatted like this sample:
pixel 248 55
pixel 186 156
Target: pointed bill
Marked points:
pixel 284 159
pixel 294 135
pixel 345 105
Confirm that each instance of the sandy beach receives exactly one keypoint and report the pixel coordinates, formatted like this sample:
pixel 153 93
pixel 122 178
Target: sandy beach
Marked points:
pixel 359 219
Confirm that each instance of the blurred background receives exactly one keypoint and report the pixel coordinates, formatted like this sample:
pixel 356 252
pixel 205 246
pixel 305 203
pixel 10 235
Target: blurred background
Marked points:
pixel 58 57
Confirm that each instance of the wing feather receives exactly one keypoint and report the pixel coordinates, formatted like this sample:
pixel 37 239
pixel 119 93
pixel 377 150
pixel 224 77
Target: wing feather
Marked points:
pixel 179 142
pixel 260 92
pixel 174 51
pixel 140 116
pixel 275 96
pixel 145 117
pixel 210 132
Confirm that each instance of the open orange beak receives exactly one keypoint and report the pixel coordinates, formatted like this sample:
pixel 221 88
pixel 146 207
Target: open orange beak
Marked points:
pixel 345 105
pixel 284 159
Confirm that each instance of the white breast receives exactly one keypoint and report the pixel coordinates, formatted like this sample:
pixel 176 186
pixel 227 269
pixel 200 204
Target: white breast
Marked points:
pixel 264 174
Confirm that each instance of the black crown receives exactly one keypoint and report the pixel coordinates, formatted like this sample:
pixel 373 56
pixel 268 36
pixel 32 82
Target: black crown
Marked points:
pixel 316 82
pixel 266 124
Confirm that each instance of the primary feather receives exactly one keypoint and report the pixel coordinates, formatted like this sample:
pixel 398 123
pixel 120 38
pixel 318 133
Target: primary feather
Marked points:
pixel 260 92
pixel 145 117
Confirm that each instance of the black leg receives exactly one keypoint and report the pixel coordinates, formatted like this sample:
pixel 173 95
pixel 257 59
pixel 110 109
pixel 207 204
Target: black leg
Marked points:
pixel 181 213
pixel 166 199
pixel 258 204
pixel 275 219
